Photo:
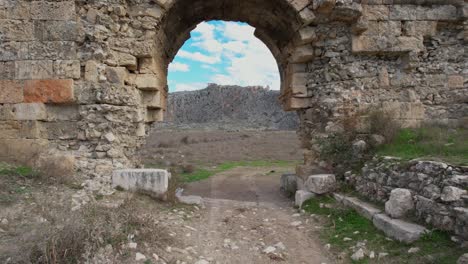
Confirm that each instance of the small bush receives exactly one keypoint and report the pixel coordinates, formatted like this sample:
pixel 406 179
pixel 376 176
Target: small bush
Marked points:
pixel 185 140
pixel 383 123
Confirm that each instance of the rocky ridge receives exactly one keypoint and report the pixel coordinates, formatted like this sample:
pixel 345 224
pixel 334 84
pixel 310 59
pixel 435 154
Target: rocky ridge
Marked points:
pixel 230 107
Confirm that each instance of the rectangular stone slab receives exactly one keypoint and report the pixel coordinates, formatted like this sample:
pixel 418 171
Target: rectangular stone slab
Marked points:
pixel 363 208
pixel 399 229
pixel 154 181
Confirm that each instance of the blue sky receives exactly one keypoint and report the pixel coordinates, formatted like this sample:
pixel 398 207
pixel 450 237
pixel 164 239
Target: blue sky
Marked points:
pixel 225 53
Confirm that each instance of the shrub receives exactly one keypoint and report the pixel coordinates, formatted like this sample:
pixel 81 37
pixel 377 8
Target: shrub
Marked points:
pixel 383 123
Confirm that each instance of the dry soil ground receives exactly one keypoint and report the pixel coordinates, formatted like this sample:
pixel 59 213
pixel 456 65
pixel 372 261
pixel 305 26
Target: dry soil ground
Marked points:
pixel 245 219
pixel 216 146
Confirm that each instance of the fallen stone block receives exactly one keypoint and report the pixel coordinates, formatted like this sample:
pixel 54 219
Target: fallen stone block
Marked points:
pixel 400 203
pixel 288 184
pixel 363 208
pixel 154 181
pixel 302 196
pixel 321 183
pixel 398 229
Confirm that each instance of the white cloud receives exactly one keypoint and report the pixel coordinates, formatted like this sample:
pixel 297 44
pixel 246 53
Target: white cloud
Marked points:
pixel 179 87
pixel 240 58
pixel 179 67
pixel 197 56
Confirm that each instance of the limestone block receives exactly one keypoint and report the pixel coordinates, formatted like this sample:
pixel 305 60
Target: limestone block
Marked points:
pixel 116 75
pixel 376 12
pixel 324 6
pixel 294 103
pixel 152 99
pixel 433 13
pixel 13 9
pixel 303 53
pixel 52 50
pixel 55 30
pixel 452 194
pixel 299 4
pixel 456 81
pixel 34 69
pixel 10 51
pixel 306 35
pixel 363 208
pixel 153 115
pixel 11 92
pixel 63 10
pixel 124 59
pixel 62 112
pixel 420 28
pixel 91 71
pixel 49 91
pixel 398 229
pixel 400 203
pixel 21 129
pixel 299 84
pixel 154 12
pixel 7 70
pixel 61 130
pixel 347 12
pixel 302 196
pixel 321 183
pixel 32 111
pixel 150 180
pixel 67 69
pixel 22 151
pixel 307 16
pixel 288 184
pixel 149 82
pixel 16 30
pixel 463 259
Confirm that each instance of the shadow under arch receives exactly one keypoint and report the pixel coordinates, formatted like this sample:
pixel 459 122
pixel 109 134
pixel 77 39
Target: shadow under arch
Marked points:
pixel 275 23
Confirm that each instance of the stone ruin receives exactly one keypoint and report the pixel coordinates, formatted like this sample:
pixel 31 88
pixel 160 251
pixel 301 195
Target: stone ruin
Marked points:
pixel 81 81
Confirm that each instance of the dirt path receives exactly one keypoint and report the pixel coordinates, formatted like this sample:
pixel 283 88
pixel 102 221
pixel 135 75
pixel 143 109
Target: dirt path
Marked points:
pixel 246 217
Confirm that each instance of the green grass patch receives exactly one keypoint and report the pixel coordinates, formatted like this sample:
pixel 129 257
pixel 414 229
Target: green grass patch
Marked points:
pixel 205 173
pixel 435 247
pixel 450 145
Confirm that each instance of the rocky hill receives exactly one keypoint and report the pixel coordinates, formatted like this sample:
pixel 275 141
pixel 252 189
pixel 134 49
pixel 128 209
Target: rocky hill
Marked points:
pixel 229 107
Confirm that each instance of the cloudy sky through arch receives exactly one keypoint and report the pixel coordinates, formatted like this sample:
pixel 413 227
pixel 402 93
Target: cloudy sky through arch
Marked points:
pixel 225 53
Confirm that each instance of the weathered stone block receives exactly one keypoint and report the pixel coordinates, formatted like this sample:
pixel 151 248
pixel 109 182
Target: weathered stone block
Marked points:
pixel 62 112
pixel 22 151
pixel 55 30
pixel 33 111
pixel 14 9
pixel 400 203
pixel 7 70
pixel 288 184
pixel 16 30
pixel 152 99
pixel 452 194
pixel 64 130
pixel 398 229
pixel 149 82
pixel 11 92
pixel 153 115
pixel 91 71
pixel 124 59
pixel 34 69
pixel 376 12
pixel 307 16
pixel 10 51
pixel 321 183
pixel 363 208
pixel 420 28
pixel 299 4
pixel 52 50
pixel 302 196
pixel 306 35
pixel 49 91
pixel 150 180
pixel 21 129
pixel 456 81
pixel 117 75
pixel 303 53
pixel 67 69
pixel 63 10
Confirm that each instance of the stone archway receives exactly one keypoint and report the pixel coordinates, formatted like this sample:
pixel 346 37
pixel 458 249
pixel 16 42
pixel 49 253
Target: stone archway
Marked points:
pixel 83 79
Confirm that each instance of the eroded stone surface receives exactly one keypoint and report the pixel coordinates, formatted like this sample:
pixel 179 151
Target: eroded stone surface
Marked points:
pixel 398 229
pixel 321 184
pixel 154 181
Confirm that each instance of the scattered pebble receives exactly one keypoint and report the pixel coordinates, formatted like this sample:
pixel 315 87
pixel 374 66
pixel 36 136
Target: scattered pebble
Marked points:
pixel 202 261
pixel 139 256
pixel 413 250
pixel 358 255
pixel 372 255
pixel 347 239
pixel 132 245
pixel 269 250
pixel 296 223
pixel 382 255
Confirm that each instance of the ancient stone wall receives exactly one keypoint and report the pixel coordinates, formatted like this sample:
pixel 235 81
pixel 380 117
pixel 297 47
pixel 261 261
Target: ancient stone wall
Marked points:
pixel 83 79
pixel 439 190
